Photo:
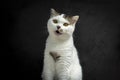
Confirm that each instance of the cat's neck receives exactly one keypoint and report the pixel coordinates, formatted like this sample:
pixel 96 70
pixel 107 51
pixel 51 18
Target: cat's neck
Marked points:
pixel 62 43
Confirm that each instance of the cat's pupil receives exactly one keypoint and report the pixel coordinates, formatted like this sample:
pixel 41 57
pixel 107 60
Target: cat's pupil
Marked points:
pixel 55 21
pixel 66 24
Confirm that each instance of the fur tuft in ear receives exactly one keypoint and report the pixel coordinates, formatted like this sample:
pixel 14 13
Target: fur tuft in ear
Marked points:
pixel 53 12
pixel 75 18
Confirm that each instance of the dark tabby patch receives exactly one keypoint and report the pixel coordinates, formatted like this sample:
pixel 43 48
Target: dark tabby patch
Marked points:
pixel 55 56
pixel 69 18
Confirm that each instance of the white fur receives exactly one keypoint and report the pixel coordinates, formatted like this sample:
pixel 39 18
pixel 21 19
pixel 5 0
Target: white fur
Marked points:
pixel 68 67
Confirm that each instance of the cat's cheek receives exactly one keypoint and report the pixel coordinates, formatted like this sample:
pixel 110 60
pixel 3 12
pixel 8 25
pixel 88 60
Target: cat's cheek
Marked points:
pixel 52 27
pixel 65 31
pixel 70 30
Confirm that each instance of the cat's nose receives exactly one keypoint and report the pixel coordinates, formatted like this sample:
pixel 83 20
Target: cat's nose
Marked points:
pixel 58 27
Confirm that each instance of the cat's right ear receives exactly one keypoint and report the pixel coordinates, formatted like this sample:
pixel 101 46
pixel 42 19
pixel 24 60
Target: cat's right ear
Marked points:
pixel 53 13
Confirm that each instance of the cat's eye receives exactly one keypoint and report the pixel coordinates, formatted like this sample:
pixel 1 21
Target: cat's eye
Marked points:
pixel 55 21
pixel 66 24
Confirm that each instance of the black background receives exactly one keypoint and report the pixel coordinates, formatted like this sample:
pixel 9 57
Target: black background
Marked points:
pixel 96 37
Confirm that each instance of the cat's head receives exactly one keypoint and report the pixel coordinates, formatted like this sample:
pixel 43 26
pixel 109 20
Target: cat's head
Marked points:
pixel 61 26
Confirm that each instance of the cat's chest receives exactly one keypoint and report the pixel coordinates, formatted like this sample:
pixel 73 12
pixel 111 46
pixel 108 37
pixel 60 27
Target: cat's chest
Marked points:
pixel 59 48
pixel 51 46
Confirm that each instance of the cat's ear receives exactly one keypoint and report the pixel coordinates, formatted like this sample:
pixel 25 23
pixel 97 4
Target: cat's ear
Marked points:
pixel 53 13
pixel 74 19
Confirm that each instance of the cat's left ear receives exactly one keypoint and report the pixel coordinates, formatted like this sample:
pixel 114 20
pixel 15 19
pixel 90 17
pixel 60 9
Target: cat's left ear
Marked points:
pixel 74 19
pixel 53 13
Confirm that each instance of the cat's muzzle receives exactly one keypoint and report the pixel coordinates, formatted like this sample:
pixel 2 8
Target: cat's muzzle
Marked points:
pixel 59 31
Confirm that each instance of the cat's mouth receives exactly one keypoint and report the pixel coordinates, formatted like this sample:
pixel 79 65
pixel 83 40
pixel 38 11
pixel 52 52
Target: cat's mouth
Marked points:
pixel 58 32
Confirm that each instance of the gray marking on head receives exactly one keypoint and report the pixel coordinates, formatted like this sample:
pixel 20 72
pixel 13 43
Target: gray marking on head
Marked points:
pixel 71 19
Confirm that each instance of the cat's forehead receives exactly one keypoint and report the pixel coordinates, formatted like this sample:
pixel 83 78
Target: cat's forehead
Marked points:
pixel 61 17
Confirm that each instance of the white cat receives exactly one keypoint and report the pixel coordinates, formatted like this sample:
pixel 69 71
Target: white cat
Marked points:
pixel 60 58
